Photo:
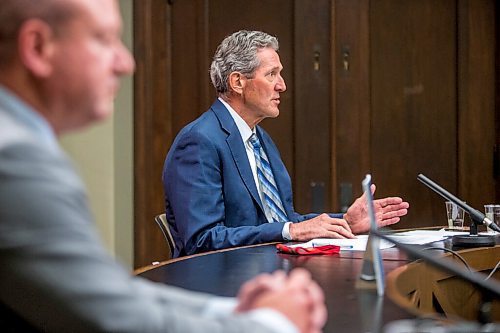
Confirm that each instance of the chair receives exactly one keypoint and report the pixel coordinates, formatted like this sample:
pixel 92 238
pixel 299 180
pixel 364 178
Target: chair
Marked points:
pixel 162 222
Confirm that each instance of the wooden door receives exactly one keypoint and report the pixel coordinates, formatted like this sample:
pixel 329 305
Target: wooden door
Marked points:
pixel 174 52
pixel 390 87
pixel 414 101
pixel 432 102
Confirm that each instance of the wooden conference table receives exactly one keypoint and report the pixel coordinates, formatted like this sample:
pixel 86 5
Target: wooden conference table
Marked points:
pixel 349 309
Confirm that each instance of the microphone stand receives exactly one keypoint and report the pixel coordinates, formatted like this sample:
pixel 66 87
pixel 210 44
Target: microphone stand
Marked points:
pixel 473 239
pixel 490 290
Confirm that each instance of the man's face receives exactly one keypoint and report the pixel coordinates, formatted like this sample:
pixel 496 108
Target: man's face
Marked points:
pixel 261 93
pixel 89 59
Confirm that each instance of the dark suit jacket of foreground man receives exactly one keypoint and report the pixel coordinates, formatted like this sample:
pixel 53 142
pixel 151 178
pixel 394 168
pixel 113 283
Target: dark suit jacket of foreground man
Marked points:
pixel 51 257
pixel 211 198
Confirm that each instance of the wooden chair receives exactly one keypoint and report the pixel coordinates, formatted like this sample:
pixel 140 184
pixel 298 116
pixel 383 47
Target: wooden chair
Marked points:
pixel 161 221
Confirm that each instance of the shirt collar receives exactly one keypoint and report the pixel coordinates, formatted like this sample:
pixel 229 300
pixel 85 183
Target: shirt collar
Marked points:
pixel 26 115
pixel 245 130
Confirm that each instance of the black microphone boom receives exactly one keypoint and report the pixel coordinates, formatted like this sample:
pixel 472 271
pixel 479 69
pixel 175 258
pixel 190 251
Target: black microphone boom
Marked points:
pixel 476 216
pixel 490 289
pixel 489 286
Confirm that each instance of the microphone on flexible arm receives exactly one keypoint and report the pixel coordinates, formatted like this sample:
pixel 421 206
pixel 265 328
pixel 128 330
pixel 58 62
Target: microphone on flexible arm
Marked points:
pixel 489 289
pixel 476 216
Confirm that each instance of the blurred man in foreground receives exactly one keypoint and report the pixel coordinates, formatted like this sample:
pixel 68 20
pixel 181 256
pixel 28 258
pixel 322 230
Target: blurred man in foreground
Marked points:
pixel 60 64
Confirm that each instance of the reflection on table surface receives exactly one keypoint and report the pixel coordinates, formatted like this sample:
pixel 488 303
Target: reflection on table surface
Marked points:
pixel 349 309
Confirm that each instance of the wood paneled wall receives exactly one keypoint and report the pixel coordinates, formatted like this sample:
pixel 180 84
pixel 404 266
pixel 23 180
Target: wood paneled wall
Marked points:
pixel 152 125
pixel 351 95
pixel 414 128
pixel 390 87
pixel 476 101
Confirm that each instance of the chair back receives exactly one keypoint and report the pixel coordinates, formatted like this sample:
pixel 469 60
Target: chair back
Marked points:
pixel 161 221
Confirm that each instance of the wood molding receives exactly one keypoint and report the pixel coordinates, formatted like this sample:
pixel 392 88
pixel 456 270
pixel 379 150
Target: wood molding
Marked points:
pixel 441 293
pixel 152 114
pixel 170 261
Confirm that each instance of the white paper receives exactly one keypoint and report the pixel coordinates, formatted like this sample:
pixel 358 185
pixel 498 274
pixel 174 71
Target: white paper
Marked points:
pixel 346 244
pixel 415 237
pixel 420 237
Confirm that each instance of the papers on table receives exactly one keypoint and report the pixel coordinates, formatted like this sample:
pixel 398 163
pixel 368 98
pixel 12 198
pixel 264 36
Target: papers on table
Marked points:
pixel 415 237
pixel 420 237
pixel 354 244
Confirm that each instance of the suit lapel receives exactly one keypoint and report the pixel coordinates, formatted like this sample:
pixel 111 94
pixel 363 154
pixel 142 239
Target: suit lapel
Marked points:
pixel 237 148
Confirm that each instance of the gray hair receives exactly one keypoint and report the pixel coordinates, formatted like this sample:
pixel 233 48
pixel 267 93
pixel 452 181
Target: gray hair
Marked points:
pixel 238 53
pixel 15 12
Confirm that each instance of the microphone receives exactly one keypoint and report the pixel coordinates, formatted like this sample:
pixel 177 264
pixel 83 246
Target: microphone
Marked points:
pixel 473 239
pixel 476 216
pixel 489 289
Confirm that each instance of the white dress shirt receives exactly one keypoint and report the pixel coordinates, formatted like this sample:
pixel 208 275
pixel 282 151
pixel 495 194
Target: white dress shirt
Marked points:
pixel 246 132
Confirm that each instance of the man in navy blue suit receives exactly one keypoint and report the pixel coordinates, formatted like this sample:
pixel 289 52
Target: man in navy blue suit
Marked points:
pixel 215 193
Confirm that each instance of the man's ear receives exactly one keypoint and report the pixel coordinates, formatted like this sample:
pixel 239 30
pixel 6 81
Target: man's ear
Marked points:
pixel 36 47
pixel 237 82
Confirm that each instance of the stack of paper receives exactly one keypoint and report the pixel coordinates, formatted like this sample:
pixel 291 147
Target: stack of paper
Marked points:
pixel 416 237
pixel 420 237
pixel 346 244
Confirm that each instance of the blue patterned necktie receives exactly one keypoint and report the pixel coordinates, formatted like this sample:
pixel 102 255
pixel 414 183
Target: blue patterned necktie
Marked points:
pixel 273 207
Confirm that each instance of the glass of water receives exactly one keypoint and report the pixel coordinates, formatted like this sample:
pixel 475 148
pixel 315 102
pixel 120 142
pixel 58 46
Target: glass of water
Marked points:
pixel 492 212
pixel 455 216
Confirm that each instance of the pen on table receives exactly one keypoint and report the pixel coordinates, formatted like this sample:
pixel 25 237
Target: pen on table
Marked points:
pixel 342 247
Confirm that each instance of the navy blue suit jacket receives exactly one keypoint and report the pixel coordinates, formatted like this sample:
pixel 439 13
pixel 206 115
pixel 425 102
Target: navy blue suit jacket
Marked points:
pixel 211 198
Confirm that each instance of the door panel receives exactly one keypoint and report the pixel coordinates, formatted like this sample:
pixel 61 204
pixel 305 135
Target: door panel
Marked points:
pixel 414 114
pixel 476 104
pixel 351 95
pixel 312 124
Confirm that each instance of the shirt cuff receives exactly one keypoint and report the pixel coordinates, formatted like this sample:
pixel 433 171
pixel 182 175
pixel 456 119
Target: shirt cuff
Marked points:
pixel 219 307
pixel 273 320
pixel 285 233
